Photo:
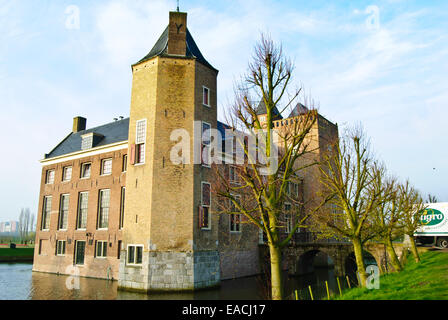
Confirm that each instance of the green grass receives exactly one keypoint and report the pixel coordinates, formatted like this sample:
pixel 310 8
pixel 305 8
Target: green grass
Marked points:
pixel 19 252
pixel 427 280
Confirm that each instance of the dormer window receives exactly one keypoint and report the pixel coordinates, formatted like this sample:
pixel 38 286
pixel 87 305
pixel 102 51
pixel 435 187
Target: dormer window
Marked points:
pixel 90 140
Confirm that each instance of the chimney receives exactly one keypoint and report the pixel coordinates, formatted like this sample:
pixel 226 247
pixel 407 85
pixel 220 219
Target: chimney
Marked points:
pixel 79 124
pixel 177 33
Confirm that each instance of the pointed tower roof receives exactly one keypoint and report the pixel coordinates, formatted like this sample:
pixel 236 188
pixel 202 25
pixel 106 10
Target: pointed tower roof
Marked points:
pixel 261 109
pixel 161 47
pixel 298 110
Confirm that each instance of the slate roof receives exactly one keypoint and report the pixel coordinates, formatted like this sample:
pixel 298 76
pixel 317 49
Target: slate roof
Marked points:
pixel 298 110
pixel 261 109
pixel 113 132
pixel 161 46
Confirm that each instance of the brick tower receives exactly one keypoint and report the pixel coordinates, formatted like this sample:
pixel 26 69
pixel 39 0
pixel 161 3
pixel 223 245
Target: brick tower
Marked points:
pixel 169 236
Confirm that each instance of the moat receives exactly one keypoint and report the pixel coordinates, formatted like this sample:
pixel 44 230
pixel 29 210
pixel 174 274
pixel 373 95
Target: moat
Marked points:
pixel 18 282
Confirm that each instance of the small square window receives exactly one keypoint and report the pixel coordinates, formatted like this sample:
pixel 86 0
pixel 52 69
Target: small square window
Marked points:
pixel 135 254
pixel 101 249
pixel 60 247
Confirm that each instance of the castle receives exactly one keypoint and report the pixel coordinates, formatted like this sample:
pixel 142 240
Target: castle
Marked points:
pixel 113 204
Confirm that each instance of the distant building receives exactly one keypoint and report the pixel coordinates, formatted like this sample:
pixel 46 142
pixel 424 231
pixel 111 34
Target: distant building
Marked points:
pixel 9 227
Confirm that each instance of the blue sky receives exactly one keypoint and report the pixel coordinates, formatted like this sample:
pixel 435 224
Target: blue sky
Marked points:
pixel 381 63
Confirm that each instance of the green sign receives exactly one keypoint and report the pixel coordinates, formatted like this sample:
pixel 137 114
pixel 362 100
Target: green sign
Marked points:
pixel 431 217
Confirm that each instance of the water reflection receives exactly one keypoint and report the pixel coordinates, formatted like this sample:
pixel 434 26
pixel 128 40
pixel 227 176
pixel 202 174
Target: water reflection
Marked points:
pixel 18 282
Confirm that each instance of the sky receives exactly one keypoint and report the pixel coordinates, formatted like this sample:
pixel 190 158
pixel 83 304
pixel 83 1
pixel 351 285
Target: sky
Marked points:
pixel 380 63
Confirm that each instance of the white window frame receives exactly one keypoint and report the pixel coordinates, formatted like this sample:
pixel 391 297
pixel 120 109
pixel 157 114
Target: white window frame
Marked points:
pixel 47 176
pixel 78 215
pixel 46 214
pixel 208 145
pixel 208 96
pixel 64 173
pixel 103 161
pixel 135 246
pixel 58 242
pixel 82 170
pixel 99 209
pixel 103 244
pixel 60 217
pixel 140 141
pixel 209 218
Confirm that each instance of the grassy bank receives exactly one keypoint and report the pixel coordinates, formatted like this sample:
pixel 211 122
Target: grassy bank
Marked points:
pixel 19 254
pixel 427 280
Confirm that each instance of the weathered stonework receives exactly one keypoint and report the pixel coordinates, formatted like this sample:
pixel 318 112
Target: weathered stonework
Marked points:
pixel 171 271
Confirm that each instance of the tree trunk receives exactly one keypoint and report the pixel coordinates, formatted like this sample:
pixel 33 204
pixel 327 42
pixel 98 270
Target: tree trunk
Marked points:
pixel 276 272
pixel 393 255
pixel 357 248
pixel 414 248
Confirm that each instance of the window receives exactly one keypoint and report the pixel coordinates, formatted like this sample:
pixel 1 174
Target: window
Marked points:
pixel 288 218
pixel 204 209
pixel 60 247
pixel 67 174
pixel 123 194
pixel 100 249
pixel 135 254
pixel 83 204
pixel 295 189
pixel 46 210
pixel 80 248
pixel 106 166
pixel 206 96
pixel 85 170
pixel 49 178
pixel 63 212
pixel 235 219
pixel 125 163
pixel 119 249
pixel 103 209
pixel 232 174
pixel 140 140
pixel 87 142
pixel 206 150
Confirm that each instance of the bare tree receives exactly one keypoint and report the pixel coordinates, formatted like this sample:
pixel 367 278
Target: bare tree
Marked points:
pixel 348 179
pixel 24 222
pixel 387 213
pixel 270 177
pixel 413 209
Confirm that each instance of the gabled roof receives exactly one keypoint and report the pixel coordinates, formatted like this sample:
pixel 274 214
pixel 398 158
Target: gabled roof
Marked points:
pixel 261 109
pixel 298 110
pixel 113 132
pixel 161 47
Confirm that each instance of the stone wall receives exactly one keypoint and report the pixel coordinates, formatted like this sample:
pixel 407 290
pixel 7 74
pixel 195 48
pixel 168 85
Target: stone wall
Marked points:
pixel 171 271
